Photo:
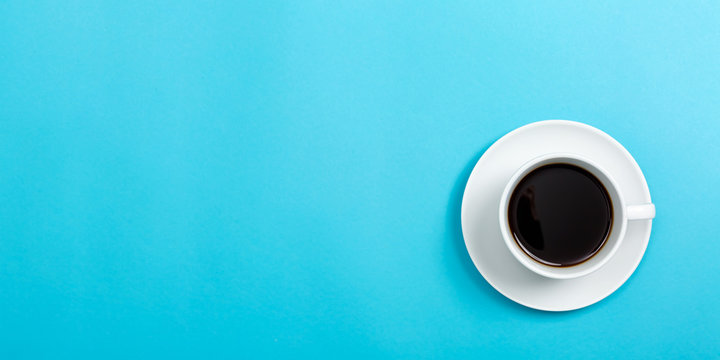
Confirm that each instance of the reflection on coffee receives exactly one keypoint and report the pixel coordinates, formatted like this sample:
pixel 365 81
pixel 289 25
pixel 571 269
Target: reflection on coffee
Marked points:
pixel 560 214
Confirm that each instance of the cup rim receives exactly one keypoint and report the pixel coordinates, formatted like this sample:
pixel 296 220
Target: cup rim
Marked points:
pixel 570 272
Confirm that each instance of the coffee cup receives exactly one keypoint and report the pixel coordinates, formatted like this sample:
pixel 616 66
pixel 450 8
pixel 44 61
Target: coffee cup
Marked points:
pixel 563 216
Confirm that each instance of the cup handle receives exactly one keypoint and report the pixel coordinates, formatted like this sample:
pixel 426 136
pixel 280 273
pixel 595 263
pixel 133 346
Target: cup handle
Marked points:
pixel 641 212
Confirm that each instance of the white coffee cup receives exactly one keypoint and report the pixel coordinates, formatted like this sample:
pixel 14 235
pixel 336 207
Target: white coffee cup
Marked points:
pixel 622 213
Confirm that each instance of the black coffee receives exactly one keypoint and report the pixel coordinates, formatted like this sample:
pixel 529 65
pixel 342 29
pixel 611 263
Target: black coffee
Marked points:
pixel 560 214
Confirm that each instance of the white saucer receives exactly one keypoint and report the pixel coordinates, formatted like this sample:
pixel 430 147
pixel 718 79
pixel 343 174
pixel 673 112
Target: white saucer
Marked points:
pixel 480 208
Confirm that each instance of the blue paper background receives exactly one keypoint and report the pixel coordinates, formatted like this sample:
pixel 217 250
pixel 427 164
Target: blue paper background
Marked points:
pixel 259 178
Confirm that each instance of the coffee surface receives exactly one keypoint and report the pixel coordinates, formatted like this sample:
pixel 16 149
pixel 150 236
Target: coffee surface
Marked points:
pixel 560 214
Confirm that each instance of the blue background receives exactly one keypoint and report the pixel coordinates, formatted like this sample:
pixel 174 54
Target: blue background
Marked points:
pixel 257 178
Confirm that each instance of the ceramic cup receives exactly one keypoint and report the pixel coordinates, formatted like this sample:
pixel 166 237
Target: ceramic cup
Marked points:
pixel 622 213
